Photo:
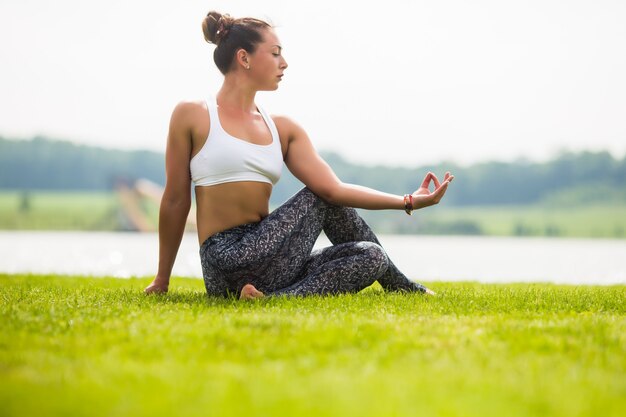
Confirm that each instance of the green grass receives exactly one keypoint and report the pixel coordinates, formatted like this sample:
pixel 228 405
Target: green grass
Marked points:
pixel 98 346
pixel 49 210
pixel 577 221
pixel 595 221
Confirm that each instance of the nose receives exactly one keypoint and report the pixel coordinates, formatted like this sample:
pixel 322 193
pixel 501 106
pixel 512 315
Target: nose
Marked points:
pixel 283 64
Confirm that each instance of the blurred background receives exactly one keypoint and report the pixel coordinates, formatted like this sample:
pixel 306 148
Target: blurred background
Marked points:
pixel 525 102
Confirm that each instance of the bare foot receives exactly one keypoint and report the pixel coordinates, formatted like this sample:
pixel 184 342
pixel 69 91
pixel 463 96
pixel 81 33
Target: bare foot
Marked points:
pixel 430 292
pixel 248 292
pixel 155 288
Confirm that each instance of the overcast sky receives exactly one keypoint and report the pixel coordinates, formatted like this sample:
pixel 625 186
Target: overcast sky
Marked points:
pixel 394 82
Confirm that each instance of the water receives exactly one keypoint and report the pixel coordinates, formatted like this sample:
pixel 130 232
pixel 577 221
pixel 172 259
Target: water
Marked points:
pixel 427 258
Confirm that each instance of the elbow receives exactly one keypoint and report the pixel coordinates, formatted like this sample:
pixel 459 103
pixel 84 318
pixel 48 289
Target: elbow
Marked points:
pixel 183 204
pixel 176 202
pixel 330 194
pixel 174 210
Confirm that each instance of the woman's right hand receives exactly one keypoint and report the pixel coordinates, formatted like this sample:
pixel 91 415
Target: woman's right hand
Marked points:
pixel 157 286
pixel 176 198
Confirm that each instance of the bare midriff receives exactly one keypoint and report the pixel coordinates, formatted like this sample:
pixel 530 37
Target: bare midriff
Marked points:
pixel 224 206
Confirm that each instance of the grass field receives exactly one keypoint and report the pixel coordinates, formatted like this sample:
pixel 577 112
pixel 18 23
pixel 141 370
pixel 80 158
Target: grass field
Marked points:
pixel 59 211
pixel 97 346
pixel 538 220
pixel 596 221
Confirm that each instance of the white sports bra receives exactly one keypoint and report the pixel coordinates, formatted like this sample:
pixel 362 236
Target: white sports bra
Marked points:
pixel 225 158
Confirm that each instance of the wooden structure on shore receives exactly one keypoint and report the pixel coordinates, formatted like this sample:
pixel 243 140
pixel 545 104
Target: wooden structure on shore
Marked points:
pixel 131 198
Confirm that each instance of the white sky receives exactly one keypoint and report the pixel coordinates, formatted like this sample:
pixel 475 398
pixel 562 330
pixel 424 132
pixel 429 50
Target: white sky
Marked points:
pixel 395 82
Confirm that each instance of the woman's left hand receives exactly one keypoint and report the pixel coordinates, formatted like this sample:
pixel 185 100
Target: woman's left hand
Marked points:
pixel 423 197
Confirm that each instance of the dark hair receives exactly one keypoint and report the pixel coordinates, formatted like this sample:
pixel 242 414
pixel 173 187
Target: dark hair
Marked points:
pixel 230 35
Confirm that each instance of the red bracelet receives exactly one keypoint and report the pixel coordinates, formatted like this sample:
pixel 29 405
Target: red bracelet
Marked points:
pixel 408 204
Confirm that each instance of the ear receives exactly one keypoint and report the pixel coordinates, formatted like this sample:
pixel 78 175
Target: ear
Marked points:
pixel 242 58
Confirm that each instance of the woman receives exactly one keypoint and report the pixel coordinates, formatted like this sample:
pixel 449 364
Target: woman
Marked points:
pixel 233 152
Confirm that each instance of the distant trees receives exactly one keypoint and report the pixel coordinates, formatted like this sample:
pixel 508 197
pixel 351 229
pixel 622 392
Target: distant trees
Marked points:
pixel 42 164
pixel 570 178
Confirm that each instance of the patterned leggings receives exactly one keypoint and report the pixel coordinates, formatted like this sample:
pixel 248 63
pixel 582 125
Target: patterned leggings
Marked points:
pixel 276 254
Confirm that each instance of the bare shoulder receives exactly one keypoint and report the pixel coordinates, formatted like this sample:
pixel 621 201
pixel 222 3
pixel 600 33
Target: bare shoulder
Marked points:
pixel 186 110
pixel 282 121
pixel 287 127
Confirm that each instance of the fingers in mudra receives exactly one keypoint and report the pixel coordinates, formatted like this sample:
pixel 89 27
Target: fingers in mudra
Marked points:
pixel 429 198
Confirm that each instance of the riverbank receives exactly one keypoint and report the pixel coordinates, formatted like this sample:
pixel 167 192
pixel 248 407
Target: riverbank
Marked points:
pixel 102 211
pixel 99 347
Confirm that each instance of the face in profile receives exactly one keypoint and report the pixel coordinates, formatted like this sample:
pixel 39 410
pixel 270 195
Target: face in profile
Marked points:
pixel 267 63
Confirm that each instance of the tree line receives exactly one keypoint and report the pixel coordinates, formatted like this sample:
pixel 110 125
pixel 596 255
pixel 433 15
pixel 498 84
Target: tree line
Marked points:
pixel 44 164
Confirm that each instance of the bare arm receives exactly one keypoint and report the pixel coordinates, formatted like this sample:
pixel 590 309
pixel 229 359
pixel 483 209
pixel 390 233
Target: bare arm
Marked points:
pixel 176 200
pixel 305 163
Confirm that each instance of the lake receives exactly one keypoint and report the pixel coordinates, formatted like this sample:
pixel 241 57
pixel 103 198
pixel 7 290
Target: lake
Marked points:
pixel 423 258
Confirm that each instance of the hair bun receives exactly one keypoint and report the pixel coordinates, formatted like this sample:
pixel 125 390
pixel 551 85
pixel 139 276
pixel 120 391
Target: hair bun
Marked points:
pixel 216 26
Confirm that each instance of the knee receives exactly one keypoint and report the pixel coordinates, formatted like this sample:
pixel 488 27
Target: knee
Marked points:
pixel 306 196
pixel 325 198
pixel 307 193
pixel 376 256
pixel 326 201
